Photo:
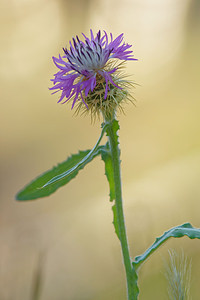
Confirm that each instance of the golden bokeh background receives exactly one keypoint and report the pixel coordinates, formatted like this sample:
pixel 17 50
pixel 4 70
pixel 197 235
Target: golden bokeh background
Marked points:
pixel 70 235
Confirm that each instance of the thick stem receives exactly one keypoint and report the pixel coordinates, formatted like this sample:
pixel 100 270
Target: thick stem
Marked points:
pixel 115 153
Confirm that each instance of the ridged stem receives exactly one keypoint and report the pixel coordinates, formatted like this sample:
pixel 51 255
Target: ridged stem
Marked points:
pixel 131 276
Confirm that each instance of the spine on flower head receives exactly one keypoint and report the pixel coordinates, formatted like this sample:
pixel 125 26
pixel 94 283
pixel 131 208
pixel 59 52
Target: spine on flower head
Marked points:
pixel 90 73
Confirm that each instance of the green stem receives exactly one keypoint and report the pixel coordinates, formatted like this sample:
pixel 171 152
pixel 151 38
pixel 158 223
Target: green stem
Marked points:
pixel 131 276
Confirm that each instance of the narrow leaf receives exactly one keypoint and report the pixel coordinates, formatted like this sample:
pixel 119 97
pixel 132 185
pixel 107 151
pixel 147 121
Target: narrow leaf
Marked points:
pixel 116 127
pixel 106 157
pixel 81 163
pixel 115 223
pixel 176 232
pixel 36 189
pixel 50 181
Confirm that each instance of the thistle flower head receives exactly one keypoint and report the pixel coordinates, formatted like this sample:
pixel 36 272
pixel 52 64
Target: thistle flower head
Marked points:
pixel 90 73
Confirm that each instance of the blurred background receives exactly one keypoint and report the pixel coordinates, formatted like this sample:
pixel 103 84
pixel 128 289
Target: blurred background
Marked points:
pixel 68 238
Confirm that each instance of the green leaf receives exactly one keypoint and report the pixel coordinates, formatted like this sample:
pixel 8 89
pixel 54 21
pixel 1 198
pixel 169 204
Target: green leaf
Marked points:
pixel 79 164
pixel 106 157
pixel 60 175
pixel 38 188
pixel 115 223
pixel 176 232
pixel 116 127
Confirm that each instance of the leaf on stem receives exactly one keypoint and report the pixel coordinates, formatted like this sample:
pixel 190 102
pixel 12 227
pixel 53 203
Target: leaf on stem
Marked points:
pixel 50 181
pixel 106 157
pixel 116 127
pixel 176 232
pixel 115 223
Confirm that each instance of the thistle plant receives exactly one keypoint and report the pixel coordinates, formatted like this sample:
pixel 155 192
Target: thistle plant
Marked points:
pixel 91 77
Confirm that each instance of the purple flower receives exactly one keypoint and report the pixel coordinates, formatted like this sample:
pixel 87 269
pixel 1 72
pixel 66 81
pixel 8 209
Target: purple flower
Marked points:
pixel 90 66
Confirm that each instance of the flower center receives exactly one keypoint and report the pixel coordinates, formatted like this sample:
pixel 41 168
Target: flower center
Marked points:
pixel 87 56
